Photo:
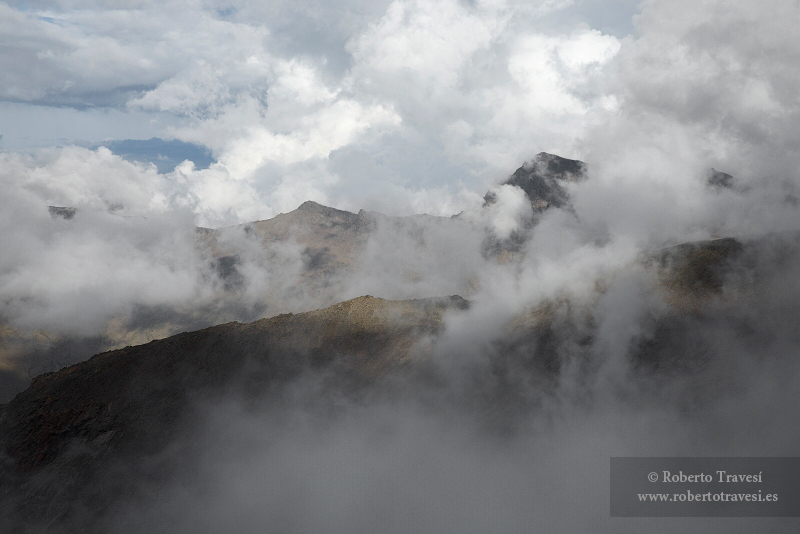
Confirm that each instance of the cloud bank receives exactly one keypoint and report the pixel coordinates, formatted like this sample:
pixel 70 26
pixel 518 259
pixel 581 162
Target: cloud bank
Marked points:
pixel 401 107
pixel 410 107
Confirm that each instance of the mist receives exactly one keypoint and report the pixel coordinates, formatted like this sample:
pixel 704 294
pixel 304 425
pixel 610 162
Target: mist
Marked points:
pixel 576 346
pixel 494 430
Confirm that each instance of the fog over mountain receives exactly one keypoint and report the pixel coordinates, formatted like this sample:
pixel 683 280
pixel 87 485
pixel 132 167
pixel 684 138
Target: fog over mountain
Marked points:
pixel 425 338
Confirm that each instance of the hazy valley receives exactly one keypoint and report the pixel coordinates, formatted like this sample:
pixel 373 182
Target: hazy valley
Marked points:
pixel 380 362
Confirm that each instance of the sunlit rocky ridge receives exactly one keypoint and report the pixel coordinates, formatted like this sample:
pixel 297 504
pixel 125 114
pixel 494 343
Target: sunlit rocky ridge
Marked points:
pixel 125 411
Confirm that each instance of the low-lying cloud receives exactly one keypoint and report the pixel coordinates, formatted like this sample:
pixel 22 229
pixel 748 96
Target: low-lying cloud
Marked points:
pixel 419 107
pixel 476 436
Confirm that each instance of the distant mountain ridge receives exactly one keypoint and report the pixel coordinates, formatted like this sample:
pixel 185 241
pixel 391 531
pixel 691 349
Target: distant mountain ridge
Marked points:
pixel 61 437
pixel 539 178
pixel 84 438
pixel 70 427
pixel 315 253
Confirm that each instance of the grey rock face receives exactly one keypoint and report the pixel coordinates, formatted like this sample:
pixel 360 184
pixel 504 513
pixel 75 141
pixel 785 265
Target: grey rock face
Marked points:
pixel 540 178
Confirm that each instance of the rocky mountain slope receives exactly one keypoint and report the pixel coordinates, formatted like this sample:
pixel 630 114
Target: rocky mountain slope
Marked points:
pixel 79 441
pixel 61 436
pixel 541 179
pixel 84 445
pixel 306 259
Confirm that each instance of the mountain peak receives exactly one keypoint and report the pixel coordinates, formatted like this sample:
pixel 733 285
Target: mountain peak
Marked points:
pixel 314 207
pixel 62 211
pixel 540 178
pixel 311 205
pixel 569 170
pixel 719 179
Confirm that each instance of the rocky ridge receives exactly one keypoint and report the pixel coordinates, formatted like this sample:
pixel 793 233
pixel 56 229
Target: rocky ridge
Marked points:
pixel 69 427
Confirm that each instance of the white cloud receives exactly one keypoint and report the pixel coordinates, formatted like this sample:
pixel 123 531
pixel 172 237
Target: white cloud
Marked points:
pixel 467 89
pixel 727 69
pixel 702 85
pixel 550 69
pixel 431 41
pixel 431 104
pixel 86 179
pixel 435 102
pixel 511 211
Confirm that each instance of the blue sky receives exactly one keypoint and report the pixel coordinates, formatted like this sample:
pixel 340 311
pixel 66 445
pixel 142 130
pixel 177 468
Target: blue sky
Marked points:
pixel 399 106
pixel 345 103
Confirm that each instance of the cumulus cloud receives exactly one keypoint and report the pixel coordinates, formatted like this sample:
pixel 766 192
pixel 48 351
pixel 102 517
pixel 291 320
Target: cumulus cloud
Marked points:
pixel 105 259
pixel 432 104
pixel 77 177
pixel 451 94
pixel 720 71
pixel 699 86
pixel 417 106
pixel 486 443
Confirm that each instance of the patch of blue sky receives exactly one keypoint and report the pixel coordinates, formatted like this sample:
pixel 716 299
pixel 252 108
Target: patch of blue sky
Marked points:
pixel 164 154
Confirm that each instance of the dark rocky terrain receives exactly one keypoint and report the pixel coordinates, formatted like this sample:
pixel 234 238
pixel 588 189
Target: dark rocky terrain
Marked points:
pixel 316 250
pixel 331 238
pixel 541 180
pixel 62 436
pixel 84 445
pixel 79 441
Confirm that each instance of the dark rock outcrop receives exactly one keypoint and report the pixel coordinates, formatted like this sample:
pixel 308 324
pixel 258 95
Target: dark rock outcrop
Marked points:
pixel 60 438
pixel 698 268
pixel 62 212
pixel 540 178
pixel 719 179
pixel 79 440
